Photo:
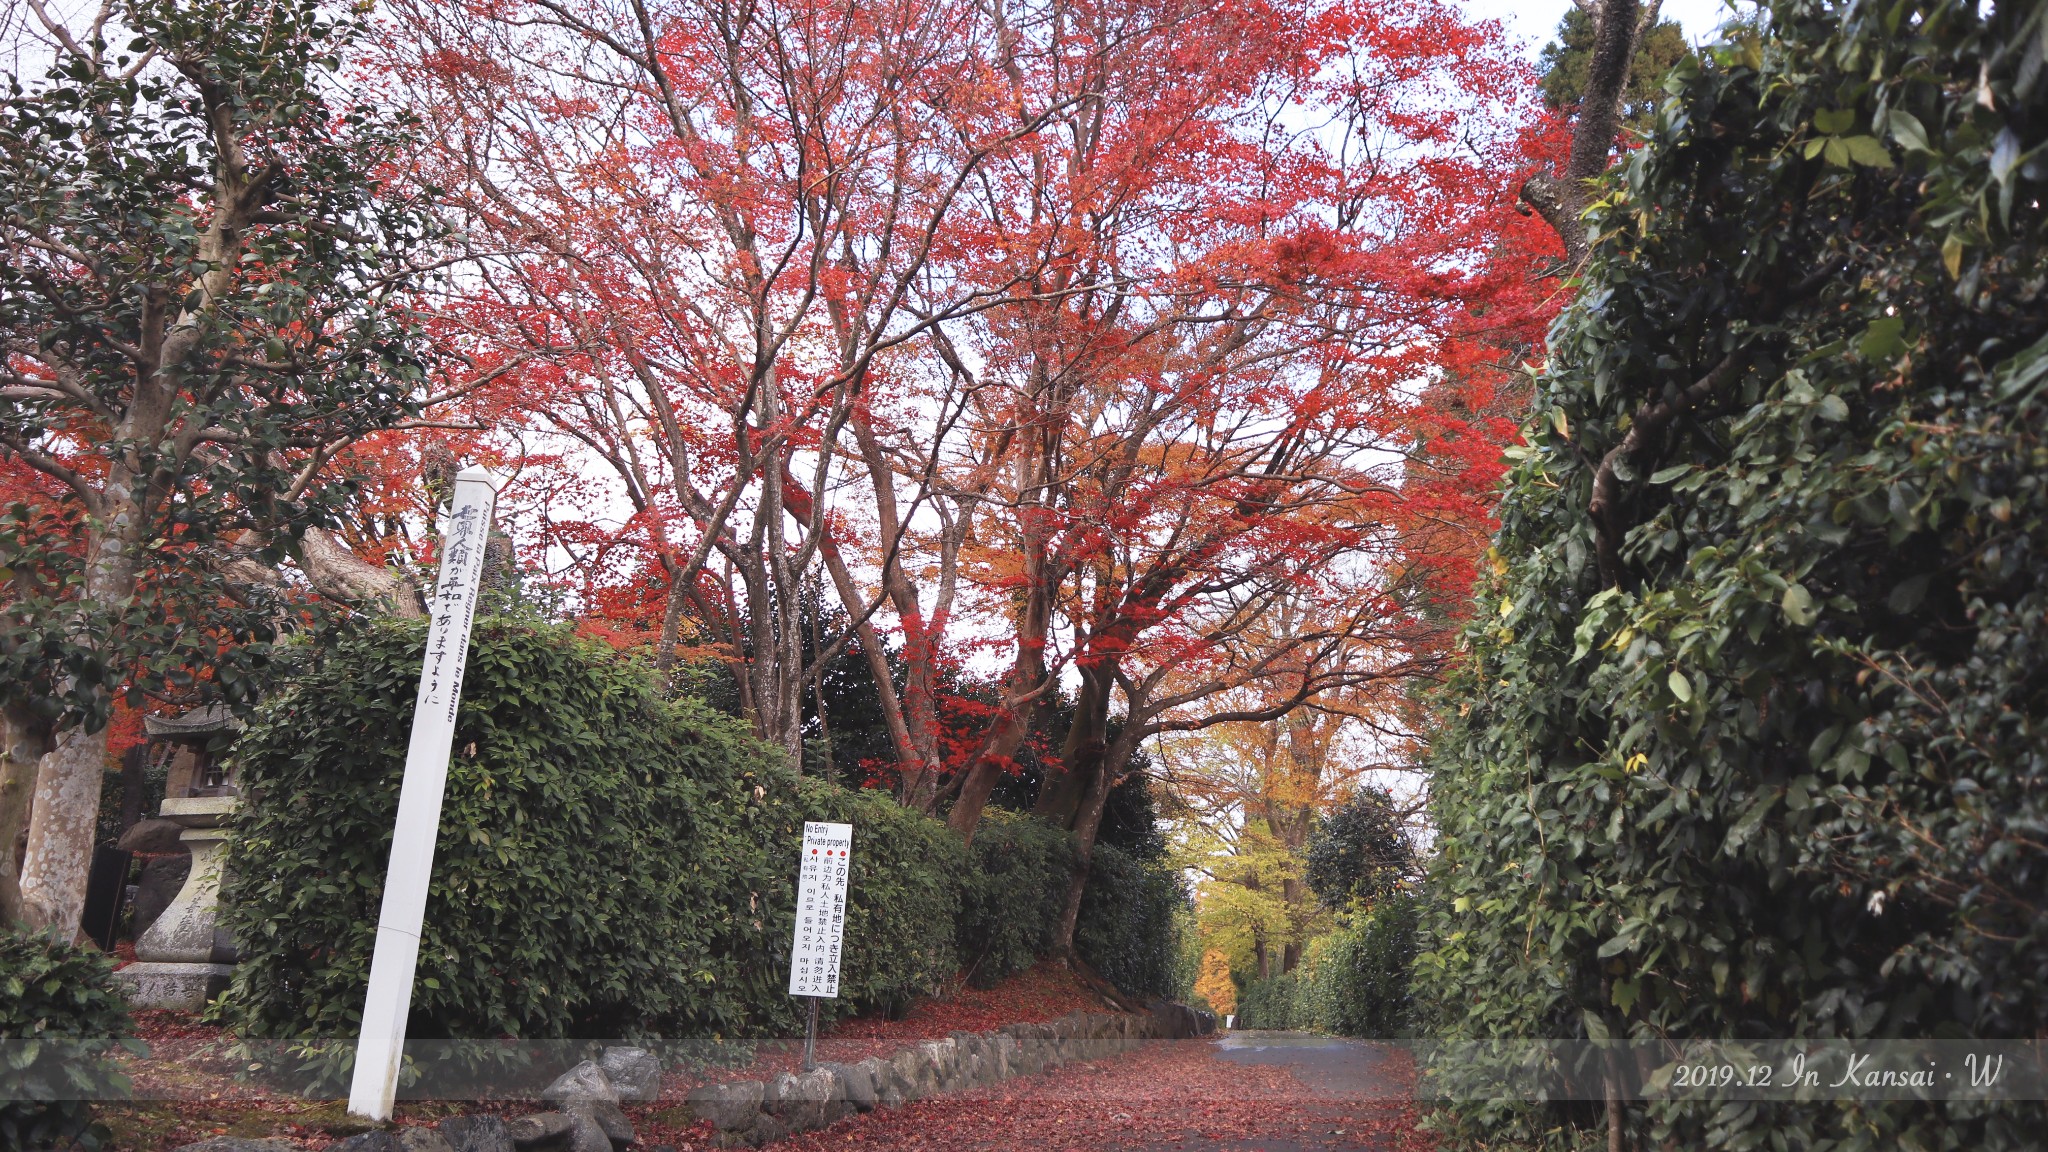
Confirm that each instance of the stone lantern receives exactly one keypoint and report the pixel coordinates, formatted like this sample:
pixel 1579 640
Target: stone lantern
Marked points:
pixel 184 959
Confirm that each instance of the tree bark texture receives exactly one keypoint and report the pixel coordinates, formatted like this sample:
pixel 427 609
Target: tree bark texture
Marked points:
pixel 24 741
pixel 66 813
pixel 1109 764
pixel 1562 197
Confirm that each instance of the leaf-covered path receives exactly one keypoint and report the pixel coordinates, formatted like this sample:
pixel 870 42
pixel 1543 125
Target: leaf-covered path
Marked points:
pixel 1238 1094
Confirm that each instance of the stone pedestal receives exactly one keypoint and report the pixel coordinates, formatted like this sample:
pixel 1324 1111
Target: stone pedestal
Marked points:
pixel 185 987
pixel 185 958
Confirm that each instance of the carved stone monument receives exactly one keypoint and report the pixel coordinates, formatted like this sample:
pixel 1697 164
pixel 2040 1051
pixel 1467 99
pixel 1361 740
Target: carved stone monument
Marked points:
pixel 184 959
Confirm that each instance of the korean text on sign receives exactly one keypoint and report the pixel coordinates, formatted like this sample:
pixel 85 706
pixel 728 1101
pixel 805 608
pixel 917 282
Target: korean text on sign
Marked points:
pixel 820 910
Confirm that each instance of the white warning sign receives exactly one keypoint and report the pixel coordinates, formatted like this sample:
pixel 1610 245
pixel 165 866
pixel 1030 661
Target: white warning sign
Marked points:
pixel 820 910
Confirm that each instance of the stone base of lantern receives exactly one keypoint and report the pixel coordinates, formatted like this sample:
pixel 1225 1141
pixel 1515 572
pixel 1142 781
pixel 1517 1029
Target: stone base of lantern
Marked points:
pixel 184 987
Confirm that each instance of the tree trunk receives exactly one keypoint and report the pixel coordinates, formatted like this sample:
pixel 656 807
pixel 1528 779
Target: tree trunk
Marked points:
pixel 1067 784
pixel 1026 683
pixel 1109 765
pixel 340 574
pixel 997 747
pixel 24 740
pixel 60 833
pixel 66 808
pixel 1561 198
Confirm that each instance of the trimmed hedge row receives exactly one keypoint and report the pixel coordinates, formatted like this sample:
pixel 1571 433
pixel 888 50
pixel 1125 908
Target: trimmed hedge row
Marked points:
pixel 601 871
pixel 1010 901
pixel 612 863
pixel 1129 927
pixel 1353 982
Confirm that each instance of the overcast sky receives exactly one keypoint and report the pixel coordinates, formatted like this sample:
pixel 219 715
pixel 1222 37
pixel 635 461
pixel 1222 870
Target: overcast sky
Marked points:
pixel 1535 20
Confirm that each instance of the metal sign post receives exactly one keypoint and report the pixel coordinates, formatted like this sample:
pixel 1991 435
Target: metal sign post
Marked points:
pixel 822 866
pixel 389 1000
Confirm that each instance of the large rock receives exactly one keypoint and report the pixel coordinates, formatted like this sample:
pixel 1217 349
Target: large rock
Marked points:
pixel 728 1106
pixel 239 1144
pixel 162 880
pixel 806 1100
pixel 586 1081
pixel 153 837
pixel 765 1129
pixel 404 1139
pixel 967 1047
pixel 585 1133
pixel 414 1139
pixel 608 1118
pixel 477 1134
pixel 941 1066
pixel 542 1129
pixel 856 1085
pixel 908 1073
pixel 635 1073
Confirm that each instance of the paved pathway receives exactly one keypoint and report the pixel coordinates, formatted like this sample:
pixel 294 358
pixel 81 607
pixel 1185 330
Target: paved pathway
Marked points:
pixel 1246 1092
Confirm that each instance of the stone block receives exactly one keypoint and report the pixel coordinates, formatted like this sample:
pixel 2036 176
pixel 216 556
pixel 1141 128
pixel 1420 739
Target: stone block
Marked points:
pixel 731 1105
pixel 182 987
pixel 184 934
pixel 586 1081
pixel 162 879
pixel 856 1085
pixel 540 1130
pixel 477 1134
pixel 585 1133
pixel 907 1070
pixel 635 1073
pixel 609 1118
pixel 153 837
pixel 941 1065
pixel 806 1100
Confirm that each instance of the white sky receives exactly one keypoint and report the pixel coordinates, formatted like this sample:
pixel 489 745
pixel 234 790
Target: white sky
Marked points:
pixel 1535 20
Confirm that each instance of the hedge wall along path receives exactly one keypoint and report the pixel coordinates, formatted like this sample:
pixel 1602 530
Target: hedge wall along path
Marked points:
pixel 1750 743
pixel 604 868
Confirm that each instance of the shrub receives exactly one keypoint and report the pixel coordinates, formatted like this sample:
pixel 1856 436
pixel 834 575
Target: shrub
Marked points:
pixel 53 991
pixel 1129 927
pixel 1363 972
pixel 1011 899
pixel 609 863
pixel 1276 1002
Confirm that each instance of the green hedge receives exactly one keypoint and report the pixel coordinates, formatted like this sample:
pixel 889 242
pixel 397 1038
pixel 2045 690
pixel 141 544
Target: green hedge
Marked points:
pixel 1363 971
pixel 1748 737
pixel 610 863
pixel 1130 923
pixel 606 864
pixel 1010 902
pixel 54 991
pixel 1284 1001
pixel 1354 981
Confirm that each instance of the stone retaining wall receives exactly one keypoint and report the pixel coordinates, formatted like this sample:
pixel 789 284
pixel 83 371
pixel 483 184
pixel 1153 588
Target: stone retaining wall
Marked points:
pixel 754 1112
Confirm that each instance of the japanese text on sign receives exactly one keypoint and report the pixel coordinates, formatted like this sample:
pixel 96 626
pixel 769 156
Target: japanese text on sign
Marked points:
pixel 820 910
pixel 462 562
